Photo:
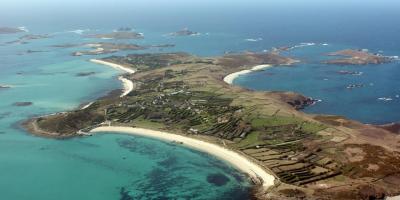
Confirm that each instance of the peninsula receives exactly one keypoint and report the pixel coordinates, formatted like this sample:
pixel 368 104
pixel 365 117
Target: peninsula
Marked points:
pixel 181 97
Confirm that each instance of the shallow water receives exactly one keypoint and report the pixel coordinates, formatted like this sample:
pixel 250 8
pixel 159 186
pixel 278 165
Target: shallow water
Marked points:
pixel 104 166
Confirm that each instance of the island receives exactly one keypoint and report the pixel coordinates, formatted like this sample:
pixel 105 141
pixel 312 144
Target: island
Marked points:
pixel 107 47
pixel 118 35
pixel 288 154
pixel 10 30
pixel 26 38
pixel 184 32
pixel 357 57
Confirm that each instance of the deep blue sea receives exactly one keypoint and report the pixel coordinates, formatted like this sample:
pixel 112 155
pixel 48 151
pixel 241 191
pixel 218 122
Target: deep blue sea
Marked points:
pixel 110 166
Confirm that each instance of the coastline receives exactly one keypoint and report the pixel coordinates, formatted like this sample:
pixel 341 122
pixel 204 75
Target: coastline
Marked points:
pixel 262 173
pixel 126 83
pixel 240 162
pixel 231 77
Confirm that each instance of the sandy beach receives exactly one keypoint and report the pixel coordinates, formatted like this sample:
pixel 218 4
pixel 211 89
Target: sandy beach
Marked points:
pixel 128 86
pixel 113 65
pixel 126 83
pixel 87 105
pixel 231 77
pixel 238 161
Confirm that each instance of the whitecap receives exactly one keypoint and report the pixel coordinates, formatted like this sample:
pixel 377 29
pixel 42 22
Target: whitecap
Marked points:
pixel 253 39
pixel 23 28
pixel 303 44
pixel 385 99
pixel 79 31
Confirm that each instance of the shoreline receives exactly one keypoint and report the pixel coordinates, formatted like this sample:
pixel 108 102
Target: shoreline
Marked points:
pixel 231 77
pixel 113 65
pixel 238 161
pixel 126 83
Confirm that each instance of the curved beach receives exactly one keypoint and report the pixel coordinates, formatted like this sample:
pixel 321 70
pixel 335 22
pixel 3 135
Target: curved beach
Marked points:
pixel 113 65
pixel 126 83
pixel 231 77
pixel 240 162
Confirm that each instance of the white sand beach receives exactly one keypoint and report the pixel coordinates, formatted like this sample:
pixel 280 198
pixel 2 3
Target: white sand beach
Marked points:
pixel 113 65
pixel 127 84
pixel 87 105
pixel 238 161
pixel 231 77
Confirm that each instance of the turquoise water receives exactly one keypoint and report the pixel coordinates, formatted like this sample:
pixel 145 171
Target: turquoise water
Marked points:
pixel 104 166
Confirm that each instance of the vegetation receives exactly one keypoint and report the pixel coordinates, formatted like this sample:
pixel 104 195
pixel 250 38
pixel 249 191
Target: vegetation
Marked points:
pixel 184 94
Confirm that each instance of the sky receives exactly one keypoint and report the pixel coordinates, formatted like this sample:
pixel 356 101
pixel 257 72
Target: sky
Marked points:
pixel 158 13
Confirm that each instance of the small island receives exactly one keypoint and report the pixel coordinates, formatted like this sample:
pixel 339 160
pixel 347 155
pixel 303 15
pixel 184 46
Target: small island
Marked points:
pixel 10 30
pixel 183 98
pixel 357 57
pixel 118 35
pixel 184 32
pixel 26 38
pixel 106 48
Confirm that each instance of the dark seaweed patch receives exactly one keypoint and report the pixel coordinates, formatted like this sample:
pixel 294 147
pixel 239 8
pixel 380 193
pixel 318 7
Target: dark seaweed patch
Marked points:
pixel 4 115
pixel 217 179
pixel 82 74
pixel 143 148
pixel 168 162
pixel 124 194
pixel 22 103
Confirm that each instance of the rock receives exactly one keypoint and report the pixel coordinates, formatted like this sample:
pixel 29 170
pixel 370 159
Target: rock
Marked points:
pixel 20 104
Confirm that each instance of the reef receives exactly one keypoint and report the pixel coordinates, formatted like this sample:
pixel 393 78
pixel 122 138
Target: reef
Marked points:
pixel 21 104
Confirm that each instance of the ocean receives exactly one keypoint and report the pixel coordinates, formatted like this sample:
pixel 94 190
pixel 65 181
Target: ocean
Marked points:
pixel 113 166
